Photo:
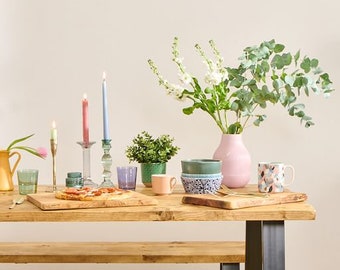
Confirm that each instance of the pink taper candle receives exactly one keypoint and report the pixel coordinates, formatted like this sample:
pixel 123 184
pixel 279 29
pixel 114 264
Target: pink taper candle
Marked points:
pixel 85 105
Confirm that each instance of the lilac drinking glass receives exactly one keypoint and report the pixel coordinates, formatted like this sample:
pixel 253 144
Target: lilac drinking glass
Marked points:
pixel 127 177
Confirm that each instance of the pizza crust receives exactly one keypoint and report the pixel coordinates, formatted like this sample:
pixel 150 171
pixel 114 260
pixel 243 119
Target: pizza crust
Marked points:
pixel 91 194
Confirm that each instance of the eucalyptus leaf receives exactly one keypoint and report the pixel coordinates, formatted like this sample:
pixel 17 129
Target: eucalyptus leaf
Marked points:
pixel 309 124
pixel 289 80
pixel 235 128
pixel 277 62
pixel 278 48
pixel 317 71
pixel 314 63
pixel 265 66
pixel 300 114
pixel 287 59
pixel 299 106
pixel 306 91
pixel 296 57
pixel 306 65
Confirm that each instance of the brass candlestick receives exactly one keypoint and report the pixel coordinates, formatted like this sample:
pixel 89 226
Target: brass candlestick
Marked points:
pixel 54 170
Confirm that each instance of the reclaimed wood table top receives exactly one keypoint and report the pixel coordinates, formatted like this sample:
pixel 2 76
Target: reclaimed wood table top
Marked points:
pixel 169 208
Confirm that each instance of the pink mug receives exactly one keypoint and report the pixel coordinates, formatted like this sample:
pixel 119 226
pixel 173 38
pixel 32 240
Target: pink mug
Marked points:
pixel 163 184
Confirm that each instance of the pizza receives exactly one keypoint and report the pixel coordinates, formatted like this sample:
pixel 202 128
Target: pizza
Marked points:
pixel 92 194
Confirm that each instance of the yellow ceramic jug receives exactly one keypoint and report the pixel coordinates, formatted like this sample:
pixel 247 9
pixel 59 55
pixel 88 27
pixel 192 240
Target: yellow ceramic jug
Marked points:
pixel 6 182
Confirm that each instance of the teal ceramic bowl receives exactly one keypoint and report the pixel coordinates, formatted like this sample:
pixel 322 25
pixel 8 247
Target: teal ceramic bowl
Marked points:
pixel 202 175
pixel 201 166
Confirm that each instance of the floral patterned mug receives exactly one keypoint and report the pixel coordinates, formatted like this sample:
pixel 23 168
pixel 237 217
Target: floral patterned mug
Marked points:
pixel 271 176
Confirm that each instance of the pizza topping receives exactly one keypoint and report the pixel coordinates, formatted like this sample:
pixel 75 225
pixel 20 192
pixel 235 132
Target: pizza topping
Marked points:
pixel 95 192
pixel 108 189
pixel 75 191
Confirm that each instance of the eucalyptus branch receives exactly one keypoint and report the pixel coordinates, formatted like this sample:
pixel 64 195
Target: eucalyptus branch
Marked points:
pixel 261 77
pixel 249 116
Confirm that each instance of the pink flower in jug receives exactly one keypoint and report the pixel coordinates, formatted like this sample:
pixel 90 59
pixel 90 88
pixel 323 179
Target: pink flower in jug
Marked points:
pixel 39 152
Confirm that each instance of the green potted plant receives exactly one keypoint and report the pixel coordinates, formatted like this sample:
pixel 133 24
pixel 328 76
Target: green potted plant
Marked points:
pixel 233 96
pixel 152 153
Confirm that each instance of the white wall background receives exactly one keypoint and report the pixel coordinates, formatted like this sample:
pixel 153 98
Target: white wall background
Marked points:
pixel 51 52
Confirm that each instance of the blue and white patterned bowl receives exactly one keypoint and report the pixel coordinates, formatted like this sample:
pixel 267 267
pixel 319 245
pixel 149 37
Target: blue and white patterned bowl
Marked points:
pixel 201 185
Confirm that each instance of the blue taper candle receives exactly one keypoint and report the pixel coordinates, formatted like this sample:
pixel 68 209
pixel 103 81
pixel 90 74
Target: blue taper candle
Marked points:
pixel 105 110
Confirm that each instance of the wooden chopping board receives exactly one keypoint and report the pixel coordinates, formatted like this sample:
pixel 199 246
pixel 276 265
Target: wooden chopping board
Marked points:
pixel 242 201
pixel 47 201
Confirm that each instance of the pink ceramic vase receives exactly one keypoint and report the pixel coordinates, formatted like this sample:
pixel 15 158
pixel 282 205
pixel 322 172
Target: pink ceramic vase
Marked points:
pixel 236 161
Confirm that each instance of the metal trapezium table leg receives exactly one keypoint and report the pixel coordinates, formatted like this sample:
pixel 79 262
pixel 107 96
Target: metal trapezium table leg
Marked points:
pixel 229 266
pixel 265 245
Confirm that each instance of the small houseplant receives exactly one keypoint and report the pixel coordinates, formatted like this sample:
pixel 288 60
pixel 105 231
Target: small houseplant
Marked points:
pixel 152 153
pixel 233 96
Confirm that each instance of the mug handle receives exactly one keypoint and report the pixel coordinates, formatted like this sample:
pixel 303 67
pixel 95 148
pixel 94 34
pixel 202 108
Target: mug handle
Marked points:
pixel 173 181
pixel 293 174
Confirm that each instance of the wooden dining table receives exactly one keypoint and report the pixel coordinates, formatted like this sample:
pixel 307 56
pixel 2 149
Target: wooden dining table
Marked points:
pixel 264 233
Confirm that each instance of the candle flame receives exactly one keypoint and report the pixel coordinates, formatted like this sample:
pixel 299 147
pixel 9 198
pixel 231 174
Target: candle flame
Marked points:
pixel 85 96
pixel 53 124
pixel 104 75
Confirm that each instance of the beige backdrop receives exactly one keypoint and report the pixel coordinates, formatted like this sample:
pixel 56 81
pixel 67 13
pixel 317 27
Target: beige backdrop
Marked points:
pixel 52 52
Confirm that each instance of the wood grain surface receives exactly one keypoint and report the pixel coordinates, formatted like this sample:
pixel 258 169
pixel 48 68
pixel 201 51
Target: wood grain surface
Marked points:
pixel 243 201
pixel 169 208
pixel 123 252
pixel 47 201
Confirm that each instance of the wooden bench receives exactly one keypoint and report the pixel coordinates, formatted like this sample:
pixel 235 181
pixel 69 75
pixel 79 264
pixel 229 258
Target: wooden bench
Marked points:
pixel 228 254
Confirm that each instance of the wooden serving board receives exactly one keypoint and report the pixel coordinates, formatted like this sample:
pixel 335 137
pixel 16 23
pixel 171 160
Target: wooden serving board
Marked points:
pixel 243 201
pixel 47 201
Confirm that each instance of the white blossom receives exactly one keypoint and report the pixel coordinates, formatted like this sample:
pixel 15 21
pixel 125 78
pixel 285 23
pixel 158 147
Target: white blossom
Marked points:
pixel 185 78
pixel 214 78
pixel 174 90
pixel 178 60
